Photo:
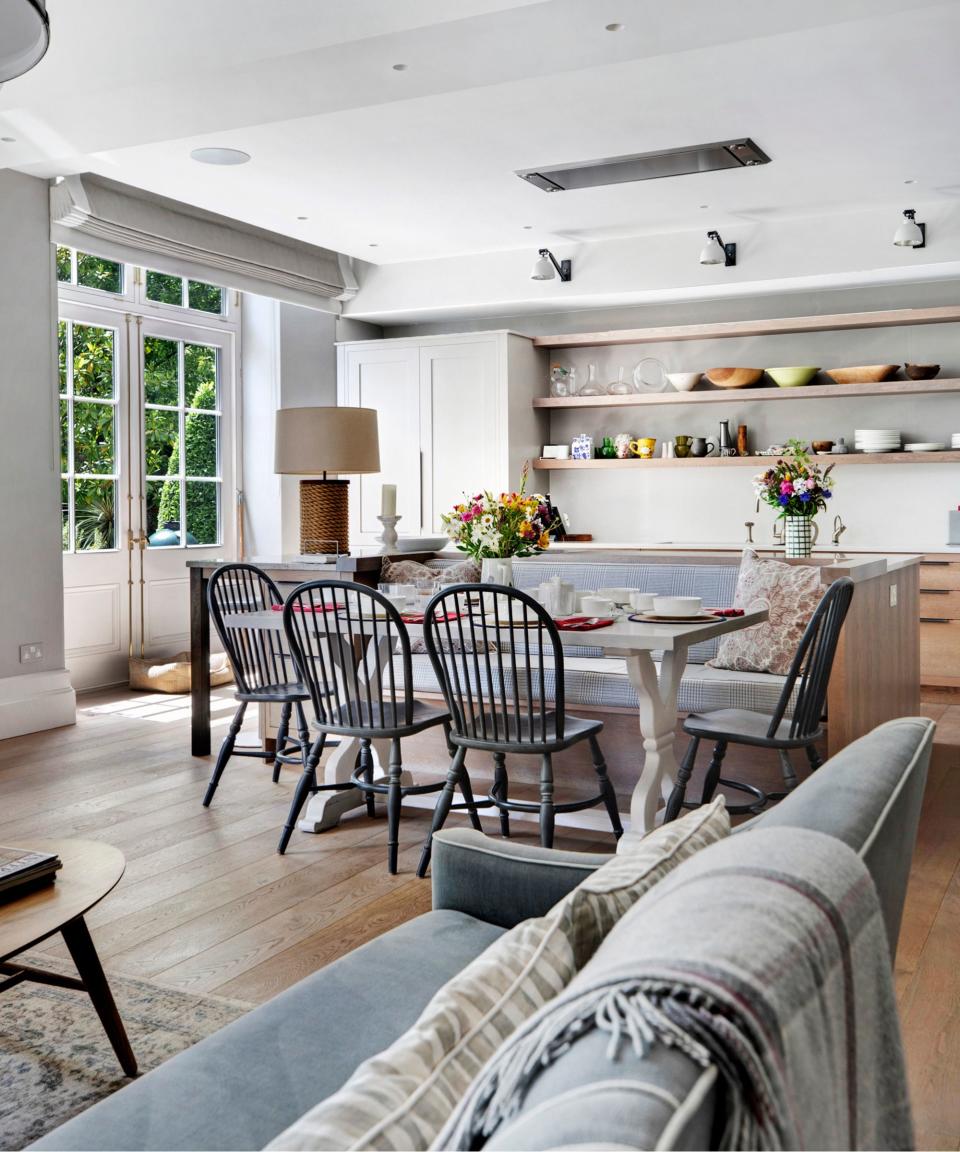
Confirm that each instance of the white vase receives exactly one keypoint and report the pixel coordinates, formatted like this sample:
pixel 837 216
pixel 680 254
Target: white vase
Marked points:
pixel 497 570
pixel 799 536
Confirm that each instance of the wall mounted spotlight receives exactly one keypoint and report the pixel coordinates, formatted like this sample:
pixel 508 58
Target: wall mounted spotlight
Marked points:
pixel 911 233
pixel 716 252
pixel 545 267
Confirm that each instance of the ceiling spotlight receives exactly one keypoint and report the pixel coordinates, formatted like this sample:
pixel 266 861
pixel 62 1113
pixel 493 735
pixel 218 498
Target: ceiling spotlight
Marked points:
pixel 716 252
pixel 303 217
pixel 8 139
pixel 222 156
pixel 545 267
pixel 909 181
pixel 400 67
pixel 24 36
pixel 910 234
pixel 615 27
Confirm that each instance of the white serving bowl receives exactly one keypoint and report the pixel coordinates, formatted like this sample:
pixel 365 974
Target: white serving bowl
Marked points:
pixel 684 381
pixel 677 605
pixel 594 605
pixel 422 543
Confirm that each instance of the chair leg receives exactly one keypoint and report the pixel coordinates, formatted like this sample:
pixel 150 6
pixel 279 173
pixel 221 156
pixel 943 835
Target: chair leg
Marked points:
pixel 466 787
pixel 303 733
pixel 500 790
pixel 813 755
pixel 547 814
pixel 366 770
pixel 789 776
pixel 606 788
pixel 305 786
pixel 394 796
pixel 283 729
pixel 684 772
pixel 226 751
pixel 442 809
pixel 713 772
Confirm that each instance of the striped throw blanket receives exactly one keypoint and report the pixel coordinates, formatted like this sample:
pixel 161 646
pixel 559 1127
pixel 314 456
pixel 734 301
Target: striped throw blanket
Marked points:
pixel 763 957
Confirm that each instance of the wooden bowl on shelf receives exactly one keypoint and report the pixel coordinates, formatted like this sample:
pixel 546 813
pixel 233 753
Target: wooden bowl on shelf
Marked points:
pixel 733 377
pixel 863 374
pixel 820 446
pixel 921 371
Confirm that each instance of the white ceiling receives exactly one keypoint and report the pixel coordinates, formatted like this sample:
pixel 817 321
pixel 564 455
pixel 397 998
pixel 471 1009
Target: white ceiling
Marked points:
pixel 850 98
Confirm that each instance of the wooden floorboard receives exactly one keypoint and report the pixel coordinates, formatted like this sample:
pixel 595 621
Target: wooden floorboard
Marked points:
pixel 207 906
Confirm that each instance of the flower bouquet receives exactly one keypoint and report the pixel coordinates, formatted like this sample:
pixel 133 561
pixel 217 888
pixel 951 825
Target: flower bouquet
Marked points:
pixel 798 489
pixel 497 528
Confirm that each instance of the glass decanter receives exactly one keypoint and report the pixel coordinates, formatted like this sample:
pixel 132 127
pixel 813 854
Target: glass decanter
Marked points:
pixel 620 386
pixel 592 387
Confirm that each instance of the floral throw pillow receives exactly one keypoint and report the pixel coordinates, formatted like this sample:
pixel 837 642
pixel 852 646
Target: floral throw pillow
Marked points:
pixel 409 571
pixel 790 593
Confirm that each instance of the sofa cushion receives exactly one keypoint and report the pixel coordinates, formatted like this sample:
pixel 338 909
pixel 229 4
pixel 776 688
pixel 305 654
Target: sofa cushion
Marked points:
pixel 241 1086
pixel 402 1097
pixel 591 910
pixel 790 593
pixel 592 682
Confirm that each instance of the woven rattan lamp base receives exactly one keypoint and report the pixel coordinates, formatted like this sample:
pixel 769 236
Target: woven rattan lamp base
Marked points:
pixel 324 514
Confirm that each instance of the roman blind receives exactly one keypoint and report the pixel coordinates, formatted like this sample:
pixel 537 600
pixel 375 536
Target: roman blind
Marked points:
pixel 119 222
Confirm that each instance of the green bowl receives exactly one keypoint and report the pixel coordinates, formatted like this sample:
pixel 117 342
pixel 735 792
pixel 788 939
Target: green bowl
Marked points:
pixel 792 377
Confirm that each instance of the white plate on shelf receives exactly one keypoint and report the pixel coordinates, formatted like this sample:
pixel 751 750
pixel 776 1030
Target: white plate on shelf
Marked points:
pixel 923 446
pixel 422 543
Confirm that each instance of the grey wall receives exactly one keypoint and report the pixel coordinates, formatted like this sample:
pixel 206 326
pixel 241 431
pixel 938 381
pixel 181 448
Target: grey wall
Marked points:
pixel 31 565
pixel 902 507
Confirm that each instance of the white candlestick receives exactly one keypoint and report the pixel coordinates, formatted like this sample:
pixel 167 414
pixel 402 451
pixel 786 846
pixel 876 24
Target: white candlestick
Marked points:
pixel 388 500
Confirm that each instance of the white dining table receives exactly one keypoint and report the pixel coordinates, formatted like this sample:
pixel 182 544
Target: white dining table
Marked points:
pixel 657 688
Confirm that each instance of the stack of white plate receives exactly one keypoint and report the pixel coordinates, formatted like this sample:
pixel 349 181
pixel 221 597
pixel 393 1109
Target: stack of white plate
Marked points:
pixel 876 440
pixel 955 440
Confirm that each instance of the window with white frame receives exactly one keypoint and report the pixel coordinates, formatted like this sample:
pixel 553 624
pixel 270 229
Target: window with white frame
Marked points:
pixel 180 403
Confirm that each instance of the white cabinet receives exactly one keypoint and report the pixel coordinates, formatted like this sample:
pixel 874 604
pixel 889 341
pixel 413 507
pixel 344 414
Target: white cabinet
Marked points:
pixel 455 417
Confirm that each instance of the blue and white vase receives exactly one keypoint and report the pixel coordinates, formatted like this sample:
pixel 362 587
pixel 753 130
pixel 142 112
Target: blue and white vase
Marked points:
pixel 582 447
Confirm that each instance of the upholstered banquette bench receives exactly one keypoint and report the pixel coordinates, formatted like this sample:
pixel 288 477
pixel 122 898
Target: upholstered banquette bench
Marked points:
pixel 595 681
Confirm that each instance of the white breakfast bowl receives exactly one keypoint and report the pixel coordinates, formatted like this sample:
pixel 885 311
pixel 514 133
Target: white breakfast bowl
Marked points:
pixel 677 605
pixel 684 381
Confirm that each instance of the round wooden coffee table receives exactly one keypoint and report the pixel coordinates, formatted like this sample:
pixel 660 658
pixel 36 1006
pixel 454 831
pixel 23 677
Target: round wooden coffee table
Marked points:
pixel 90 870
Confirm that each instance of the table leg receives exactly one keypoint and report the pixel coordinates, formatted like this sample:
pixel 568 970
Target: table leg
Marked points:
pixel 658 719
pixel 77 938
pixel 324 809
pixel 199 665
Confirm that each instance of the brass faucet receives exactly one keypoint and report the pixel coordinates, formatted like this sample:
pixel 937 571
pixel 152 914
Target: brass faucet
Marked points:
pixel 838 530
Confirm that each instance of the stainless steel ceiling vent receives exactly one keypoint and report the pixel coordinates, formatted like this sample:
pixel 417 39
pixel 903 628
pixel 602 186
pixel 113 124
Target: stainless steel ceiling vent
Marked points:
pixel 647 166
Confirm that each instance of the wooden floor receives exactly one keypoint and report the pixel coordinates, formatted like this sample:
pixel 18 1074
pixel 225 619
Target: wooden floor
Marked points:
pixel 207 905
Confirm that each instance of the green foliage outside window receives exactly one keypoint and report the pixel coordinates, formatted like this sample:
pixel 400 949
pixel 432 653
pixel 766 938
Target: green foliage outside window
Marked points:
pixel 200 459
pixel 64 270
pixel 92 271
pixel 164 289
pixel 205 297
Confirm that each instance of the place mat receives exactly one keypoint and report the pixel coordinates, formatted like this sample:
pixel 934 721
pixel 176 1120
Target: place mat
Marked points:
pixel 652 618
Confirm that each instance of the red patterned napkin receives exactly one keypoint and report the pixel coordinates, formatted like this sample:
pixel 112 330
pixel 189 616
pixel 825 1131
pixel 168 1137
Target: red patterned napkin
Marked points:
pixel 582 623
pixel 417 617
pixel 727 612
pixel 300 608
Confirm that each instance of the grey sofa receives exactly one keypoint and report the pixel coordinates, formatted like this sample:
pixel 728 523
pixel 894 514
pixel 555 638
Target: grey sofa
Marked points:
pixel 242 1086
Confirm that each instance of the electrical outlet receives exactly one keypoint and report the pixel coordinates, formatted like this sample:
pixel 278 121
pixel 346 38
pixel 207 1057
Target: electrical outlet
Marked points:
pixel 893 595
pixel 30 653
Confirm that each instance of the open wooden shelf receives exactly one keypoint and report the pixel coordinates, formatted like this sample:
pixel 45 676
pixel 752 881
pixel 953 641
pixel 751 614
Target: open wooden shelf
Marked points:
pixel 748 395
pixel 948 457
pixel 837 322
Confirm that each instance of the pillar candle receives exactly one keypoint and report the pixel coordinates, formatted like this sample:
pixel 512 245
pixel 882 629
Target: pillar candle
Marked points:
pixel 388 500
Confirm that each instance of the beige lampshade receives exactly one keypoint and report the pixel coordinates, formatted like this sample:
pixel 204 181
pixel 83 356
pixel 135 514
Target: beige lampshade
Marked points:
pixel 310 441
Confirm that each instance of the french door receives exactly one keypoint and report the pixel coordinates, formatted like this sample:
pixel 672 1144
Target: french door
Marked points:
pixel 148 472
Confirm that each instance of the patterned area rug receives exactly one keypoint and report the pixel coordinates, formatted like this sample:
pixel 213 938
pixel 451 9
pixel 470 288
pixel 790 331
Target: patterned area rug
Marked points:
pixel 55 1058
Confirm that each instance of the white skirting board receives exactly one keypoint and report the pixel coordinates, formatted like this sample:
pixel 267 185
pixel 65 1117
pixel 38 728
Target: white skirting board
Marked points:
pixel 35 702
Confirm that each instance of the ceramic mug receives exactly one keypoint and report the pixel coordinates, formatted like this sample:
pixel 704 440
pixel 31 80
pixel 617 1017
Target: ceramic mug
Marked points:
pixel 701 447
pixel 622 444
pixel 681 446
pixel 641 601
pixel 643 447
pixel 597 606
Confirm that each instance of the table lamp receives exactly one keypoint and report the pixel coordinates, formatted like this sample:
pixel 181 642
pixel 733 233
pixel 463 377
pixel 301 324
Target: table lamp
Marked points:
pixel 313 442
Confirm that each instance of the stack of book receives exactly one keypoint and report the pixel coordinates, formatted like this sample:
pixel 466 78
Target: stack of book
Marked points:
pixel 21 871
